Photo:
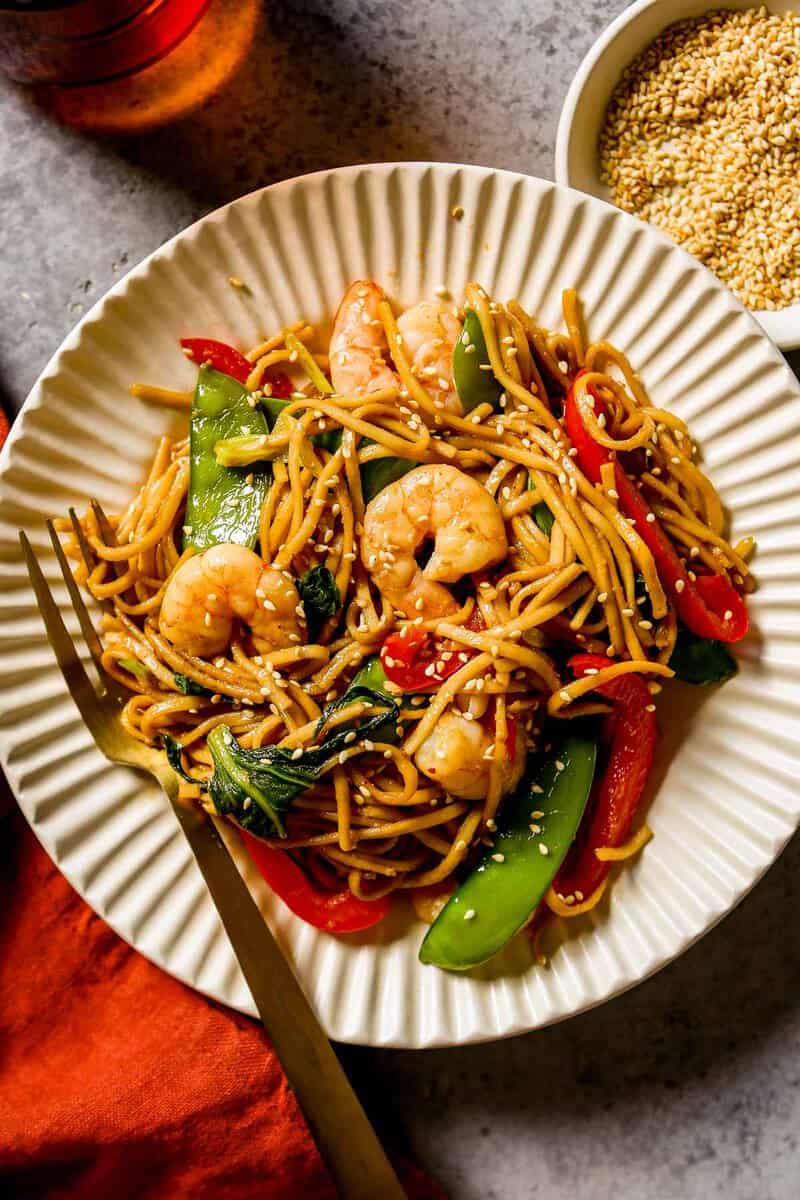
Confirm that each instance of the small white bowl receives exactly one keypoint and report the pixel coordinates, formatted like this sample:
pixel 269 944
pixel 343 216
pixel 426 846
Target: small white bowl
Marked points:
pixel 577 163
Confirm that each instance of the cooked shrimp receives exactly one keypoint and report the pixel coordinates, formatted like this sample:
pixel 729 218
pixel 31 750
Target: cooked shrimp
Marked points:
pixel 359 352
pixel 454 755
pixel 438 502
pixel 430 332
pixel 212 590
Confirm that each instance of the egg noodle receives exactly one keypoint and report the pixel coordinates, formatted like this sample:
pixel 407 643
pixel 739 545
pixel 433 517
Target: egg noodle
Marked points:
pixel 373 818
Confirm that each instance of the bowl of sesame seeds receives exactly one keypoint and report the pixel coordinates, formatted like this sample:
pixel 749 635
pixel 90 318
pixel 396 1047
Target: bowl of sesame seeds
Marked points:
pixel 688 117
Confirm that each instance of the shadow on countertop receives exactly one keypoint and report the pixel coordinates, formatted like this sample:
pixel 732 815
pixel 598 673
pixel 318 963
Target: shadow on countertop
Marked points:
pixel 724 1012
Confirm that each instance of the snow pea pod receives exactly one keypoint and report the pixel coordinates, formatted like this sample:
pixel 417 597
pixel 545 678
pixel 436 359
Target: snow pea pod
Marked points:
pixel 536 828
pixel 474 379
pixel 224 503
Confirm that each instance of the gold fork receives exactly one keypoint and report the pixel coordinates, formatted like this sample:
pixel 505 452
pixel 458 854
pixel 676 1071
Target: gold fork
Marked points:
pixel 346 1140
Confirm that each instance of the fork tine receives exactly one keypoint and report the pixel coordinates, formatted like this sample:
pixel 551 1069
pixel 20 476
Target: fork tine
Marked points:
pixel 104 525
pixel 87 625
pixel 108 535
pixel 87 553
pixel 78 682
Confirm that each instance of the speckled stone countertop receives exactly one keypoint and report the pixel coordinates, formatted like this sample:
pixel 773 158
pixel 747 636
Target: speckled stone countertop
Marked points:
pixel 688 1087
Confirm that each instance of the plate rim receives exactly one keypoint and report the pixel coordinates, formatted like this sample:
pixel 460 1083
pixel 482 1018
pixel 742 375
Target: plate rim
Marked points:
pixel 71 341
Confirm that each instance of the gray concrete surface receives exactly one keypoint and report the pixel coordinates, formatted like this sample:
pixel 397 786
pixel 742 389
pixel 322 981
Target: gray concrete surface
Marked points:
pixel 688 1088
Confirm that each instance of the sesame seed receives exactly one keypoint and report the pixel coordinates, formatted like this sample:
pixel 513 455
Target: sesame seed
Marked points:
pixel 298 753
pixel 720 93
pixel 543 850
pixel 469 915
pixel 350 737
pixel 457 212
pixel 498 858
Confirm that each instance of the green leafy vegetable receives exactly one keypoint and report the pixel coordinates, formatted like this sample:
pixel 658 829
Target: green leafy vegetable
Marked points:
pixel 371 675
pixel 543 518
pixel 189 688
pixel 700 660
pixel 256 787
pixel 133 666
pixel 320 597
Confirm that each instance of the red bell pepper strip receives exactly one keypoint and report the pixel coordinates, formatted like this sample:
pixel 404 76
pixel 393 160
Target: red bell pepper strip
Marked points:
pixel 280 386
pixel 413 661
pixel 406 657
pixel 335 912
pixel 708 605
pixel 628 735
pixel 218 355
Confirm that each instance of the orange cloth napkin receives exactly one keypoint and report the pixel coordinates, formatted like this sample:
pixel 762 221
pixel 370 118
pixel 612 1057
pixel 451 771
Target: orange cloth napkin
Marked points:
pixel 117 1081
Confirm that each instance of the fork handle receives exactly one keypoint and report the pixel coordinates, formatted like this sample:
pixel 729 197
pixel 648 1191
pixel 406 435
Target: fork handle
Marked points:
pixel 344 1136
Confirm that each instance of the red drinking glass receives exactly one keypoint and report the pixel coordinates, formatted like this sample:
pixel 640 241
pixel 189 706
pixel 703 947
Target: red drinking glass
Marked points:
pixel 87 41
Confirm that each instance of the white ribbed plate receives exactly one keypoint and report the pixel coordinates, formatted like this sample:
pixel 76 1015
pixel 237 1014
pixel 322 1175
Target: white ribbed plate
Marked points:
pixel 726 797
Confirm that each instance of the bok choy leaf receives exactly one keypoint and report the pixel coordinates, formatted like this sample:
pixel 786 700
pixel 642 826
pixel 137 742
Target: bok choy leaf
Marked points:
pixel 255 788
